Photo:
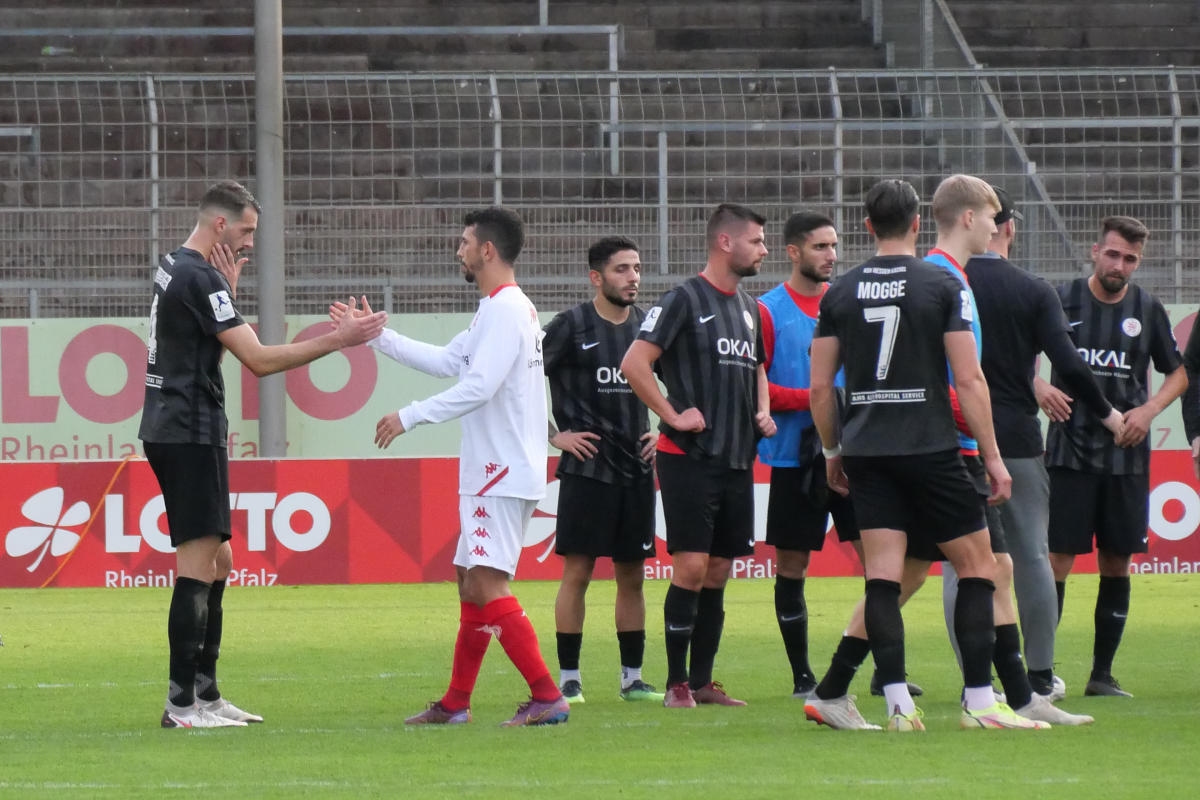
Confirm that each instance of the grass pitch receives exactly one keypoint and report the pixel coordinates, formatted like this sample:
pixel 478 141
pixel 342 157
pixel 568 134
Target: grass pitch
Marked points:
pixel 336 669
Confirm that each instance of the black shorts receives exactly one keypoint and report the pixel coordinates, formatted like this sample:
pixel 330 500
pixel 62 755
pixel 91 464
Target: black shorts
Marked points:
pixel 931 497
pixel 799 506
pixel 983 487
pixel 605 520
pixel 709 508
pixel 194 479
pixel 1115 509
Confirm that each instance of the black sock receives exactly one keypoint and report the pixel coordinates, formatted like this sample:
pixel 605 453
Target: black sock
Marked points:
pixel 206 664
pixel 1112 606
pixel 975 630
pixel 885 629
pixel 569 645
pixel 792 614
pixel 848 657
pixel 632 645
pixel 1060 587
pixel 1044 677
pixel 706 639
pixel 186 622
pixel 1010 667
pixel 679 618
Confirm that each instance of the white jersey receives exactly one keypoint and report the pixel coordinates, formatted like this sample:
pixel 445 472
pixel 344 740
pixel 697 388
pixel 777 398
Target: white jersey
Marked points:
pixel 500 396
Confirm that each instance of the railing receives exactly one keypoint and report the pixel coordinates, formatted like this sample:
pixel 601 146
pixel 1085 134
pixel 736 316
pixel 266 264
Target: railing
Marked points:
pixel 98 175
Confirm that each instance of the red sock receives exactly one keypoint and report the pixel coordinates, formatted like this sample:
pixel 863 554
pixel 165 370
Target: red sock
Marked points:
pixel 519 641
pixel 474 636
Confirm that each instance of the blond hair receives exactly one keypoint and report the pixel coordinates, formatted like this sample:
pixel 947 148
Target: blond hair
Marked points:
pixel 960 193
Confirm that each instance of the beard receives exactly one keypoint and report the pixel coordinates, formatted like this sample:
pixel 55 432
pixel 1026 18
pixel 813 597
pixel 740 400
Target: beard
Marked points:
pixel 747 270
pixel 617 298
pixel 1113 283
pixel 814 274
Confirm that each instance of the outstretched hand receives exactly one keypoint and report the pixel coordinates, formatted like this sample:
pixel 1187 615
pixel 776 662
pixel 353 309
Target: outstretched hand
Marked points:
pixel 356 325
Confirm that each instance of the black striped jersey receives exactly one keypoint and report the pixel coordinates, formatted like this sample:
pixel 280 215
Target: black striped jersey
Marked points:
pixel 889 316
pixel 588 392
pixel 711 347
pixel 185 392
pixel 1119 341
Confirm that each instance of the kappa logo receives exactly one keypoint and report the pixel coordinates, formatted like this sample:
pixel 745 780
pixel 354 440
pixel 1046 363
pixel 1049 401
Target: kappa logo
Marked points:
pixel 481 513
pixel 491 630
pixel 490 468
pixel 481 533
pixel 50 534
pixel 478 550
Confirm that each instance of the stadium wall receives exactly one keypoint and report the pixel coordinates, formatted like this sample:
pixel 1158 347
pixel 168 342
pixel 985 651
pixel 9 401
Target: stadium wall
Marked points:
pixel 81 507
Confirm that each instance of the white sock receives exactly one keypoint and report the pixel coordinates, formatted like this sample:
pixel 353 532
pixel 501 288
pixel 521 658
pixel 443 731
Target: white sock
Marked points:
pixel 565 675
pixel 898 698
pixel 629 675
pixel 977 698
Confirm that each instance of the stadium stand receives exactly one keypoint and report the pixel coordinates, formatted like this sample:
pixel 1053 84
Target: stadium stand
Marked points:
pixel 388 137
pixel 1095 34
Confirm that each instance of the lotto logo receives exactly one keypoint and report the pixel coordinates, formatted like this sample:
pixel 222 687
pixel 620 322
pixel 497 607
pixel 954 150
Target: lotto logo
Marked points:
pixel 481 533
pixel 46 508
pixel 481 513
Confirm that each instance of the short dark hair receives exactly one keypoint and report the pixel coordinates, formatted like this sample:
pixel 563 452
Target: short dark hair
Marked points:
pixel 725 214
pixel 892 206
pixel 801 224
pixel 229 196
pixel 500 226
pixel 604 249
pixel 1130 229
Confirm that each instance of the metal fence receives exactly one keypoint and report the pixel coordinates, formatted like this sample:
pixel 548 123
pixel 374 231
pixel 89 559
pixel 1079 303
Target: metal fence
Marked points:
pixel 98 175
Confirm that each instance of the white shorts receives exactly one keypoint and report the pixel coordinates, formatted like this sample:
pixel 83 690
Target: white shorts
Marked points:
pixel 492 531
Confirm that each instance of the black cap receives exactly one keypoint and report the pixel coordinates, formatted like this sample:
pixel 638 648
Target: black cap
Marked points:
pixel 1006 211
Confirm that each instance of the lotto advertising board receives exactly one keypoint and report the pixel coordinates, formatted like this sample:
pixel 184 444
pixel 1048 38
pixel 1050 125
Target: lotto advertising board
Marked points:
pixel 101 524
pixel 80 506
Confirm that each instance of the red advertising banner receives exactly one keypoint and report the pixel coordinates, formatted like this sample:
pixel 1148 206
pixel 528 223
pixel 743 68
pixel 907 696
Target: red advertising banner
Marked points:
pixel 101 523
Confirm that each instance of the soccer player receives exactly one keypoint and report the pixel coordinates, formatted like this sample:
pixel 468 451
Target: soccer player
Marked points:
pixel 500 399
pixel 1100 487
pixel 1021 316
pixel 193 320
pixel 799 502
pixel 893 322
pixel 606 504
pixel 705 336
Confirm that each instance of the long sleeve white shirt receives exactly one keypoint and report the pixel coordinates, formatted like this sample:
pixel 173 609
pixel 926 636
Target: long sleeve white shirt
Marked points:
pixel 500 396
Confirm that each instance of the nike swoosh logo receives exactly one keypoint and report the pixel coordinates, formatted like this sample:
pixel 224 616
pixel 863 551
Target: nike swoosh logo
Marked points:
pixel 648 546
pixel 678 628
pixel 791 618
pixel 706 319
pixel 1073 324
pixel 589 346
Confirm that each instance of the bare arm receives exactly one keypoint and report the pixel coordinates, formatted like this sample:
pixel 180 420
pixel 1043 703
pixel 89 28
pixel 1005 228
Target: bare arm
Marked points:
pixel 977 408
pixel 638 368
pixel 263 359
pixel 824 360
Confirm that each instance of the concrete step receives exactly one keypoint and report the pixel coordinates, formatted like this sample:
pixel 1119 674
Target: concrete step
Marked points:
pixel 1149 56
